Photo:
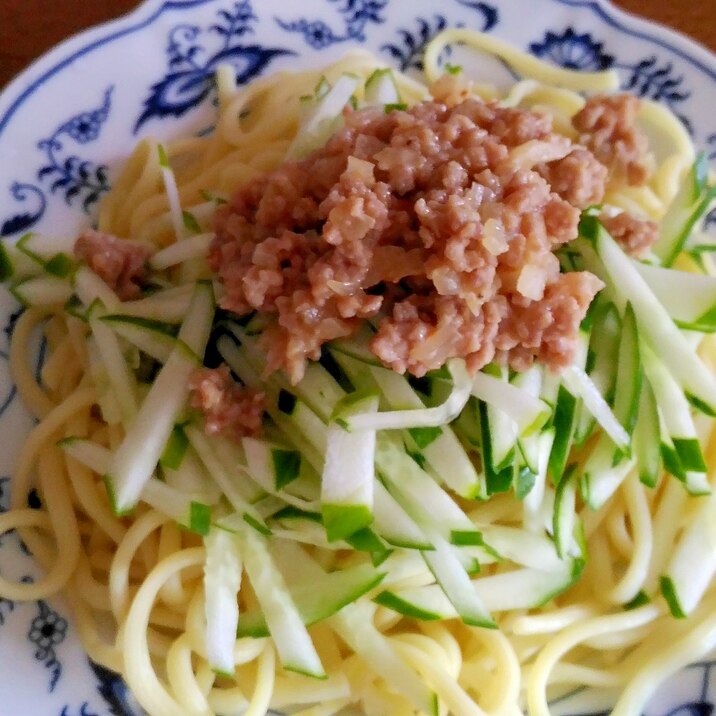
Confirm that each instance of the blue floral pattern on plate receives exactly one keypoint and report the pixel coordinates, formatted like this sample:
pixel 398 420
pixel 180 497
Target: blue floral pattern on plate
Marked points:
pixel 355 15
pixel 77 179
pixel 61 178
pixel 194 53
pixel 409 47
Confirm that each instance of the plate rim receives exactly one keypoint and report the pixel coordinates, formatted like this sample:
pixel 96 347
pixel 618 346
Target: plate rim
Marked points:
pixel 56 58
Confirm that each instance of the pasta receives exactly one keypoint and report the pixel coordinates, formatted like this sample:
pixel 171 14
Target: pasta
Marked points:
pixel 136 583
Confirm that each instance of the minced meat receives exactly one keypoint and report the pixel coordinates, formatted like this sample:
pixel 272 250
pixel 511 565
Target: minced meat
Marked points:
pixel 228 407
pixel 636 236
pixel 438 222
pixel 608 127
pixel 121 264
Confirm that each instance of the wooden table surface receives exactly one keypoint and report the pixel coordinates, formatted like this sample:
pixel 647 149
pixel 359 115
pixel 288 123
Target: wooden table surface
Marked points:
pixel 29 27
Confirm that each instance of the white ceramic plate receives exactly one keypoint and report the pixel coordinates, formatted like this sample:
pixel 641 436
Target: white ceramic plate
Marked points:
pixel 67 122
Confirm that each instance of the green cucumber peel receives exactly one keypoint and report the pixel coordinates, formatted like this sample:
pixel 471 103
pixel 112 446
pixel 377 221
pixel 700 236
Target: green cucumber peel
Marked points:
pixel 286 466
pixel 524 480
pixel 190 222
pixel 565 425
pixel 175 449
pixel 163 158
pixel 350 585
pixel 640 599
pixel 424 436
pixel 60 265
pixel 401 606
pixel 690 454
pixel 199 518
pixel 149 323
pixel 344 521
pixel 290 512
pixel 7 269
pixel 252 522
pixel 668 591
pixel 672 463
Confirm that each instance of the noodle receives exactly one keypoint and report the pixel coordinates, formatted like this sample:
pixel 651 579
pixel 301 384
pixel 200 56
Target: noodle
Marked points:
pixel 142 574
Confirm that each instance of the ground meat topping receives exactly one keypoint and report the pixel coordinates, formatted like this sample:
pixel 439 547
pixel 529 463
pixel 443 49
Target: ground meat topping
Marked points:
pixel 608 127
pixel 578 178
pixel 119 263
pixel 439 222
pixel 228 408
pixel 636 236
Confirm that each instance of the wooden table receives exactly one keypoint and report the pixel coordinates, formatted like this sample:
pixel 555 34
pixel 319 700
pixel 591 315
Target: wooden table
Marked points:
pixel 29 27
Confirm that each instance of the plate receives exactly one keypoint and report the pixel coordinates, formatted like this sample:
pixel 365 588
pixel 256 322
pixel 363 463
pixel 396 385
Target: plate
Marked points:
pixel 67 122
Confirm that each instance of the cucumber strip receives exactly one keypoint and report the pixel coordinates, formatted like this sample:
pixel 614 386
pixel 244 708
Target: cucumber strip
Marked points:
pixel 274 467
pixel 498 477
pixel 91 454
pixel 348 476
pixel 121 379
pixel 602 475
pixel 320 391
pixel 565 518
pixel 195 247
pixel 455 582
pixel 601 366
pixel 42 248
pixel 191 477
pixel 529 381
pixel 381 88
pixel 136 458
pixel 533 501
pixel 689 298
pixel 169 305
pixel 222 581
pixel 354 625
pixel 425 417
pixel 653 319
pixel 172 192
pixel 47 254
pixel 646 439
pixel 393 524
pixel 423 499
pixel 498 438
pixel 192 511
pixel 175 449
pixel 294 418
pixel 528 412
pixel 357 348
pixel 629 373
pixel 154 338
pixel 317 596
pixel 523 479
pixel 439 447
pixel 690 203
pixel 317 388
pixel 579 384
pixel 522 547
pixel 41 291
pixel 679 425
pixel 507 591
pixel 89 288
pixel 284 622
pixel 268 463
pixel 106 399
pixel 322 120
pixel 565 424
pixel 16 265
pixel 238 490
pixel 693 563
